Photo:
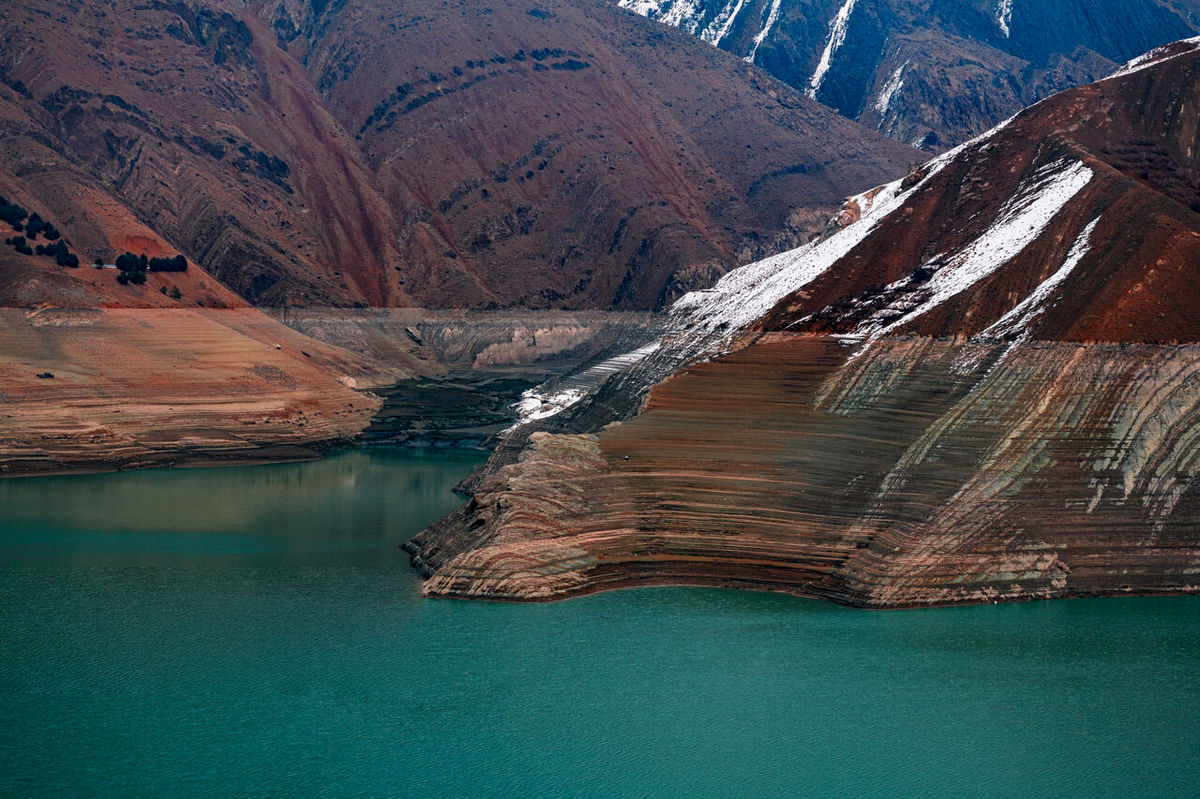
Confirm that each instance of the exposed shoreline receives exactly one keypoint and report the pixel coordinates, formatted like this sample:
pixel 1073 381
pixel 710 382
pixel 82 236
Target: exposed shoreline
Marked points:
pixel 892 479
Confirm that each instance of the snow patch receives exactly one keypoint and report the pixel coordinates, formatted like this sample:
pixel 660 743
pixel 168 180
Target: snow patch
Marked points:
pixel 1004 16
pixel 534 405
pixel 761 36
pixel 1018 224
pixel 1155 56
pixel 683 14
pixel 895 83
pixel 718 29
pixel 546 400
pixel 1016 322
pixel 837 37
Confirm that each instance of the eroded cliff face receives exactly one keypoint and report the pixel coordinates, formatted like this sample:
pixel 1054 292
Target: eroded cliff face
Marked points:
pixel 916 472
pixel 981 385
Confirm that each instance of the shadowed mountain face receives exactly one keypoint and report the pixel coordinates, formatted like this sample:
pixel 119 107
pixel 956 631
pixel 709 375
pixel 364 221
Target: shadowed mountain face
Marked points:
pixel 467 154
pixel 982 385
pixel 931 72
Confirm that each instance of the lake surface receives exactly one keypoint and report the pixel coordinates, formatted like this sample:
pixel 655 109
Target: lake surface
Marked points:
pixel 255 631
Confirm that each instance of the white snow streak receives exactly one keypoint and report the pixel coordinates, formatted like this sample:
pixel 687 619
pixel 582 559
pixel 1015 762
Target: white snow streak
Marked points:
pixel 718 29
pixel 707 318
pixel 1004 16
pixel 837 37
pixel 1017 321
pixel 772 18
pixel 1019 223
pixel 541 402
pixel 895 83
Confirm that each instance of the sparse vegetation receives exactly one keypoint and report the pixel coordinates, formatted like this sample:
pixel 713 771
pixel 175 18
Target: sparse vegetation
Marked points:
pixel 32 225
pixel 13 214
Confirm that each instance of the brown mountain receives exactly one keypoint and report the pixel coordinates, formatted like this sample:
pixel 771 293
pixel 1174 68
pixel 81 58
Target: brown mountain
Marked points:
pixel 1007 410
pixel 457 154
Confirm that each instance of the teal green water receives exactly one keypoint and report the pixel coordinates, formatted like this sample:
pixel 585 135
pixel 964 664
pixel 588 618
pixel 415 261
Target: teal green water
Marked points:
pixel 255 632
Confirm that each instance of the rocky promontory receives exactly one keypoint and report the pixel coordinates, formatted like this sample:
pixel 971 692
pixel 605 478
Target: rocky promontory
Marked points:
pixel 981 385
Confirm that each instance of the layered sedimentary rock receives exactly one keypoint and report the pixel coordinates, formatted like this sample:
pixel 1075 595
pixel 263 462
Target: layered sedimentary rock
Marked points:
pixel 901 477
pixel 981 385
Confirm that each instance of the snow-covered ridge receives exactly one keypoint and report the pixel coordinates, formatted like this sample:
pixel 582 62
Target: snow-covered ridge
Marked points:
pixel 837 37
pixel 1157 55
pixel 1020 222
pixel 745 294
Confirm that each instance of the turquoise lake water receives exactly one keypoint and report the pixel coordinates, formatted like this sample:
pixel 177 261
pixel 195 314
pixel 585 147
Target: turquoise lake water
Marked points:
pixel 256 632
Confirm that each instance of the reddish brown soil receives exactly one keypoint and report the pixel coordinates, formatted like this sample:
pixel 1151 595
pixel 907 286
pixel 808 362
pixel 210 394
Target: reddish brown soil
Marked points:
pixel 138 387
pixel 1138 133
pixel 580 157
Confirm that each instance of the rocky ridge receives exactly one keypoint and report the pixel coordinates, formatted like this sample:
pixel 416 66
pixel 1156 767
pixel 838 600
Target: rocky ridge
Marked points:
pixel 980 386
pixel 452 155
pixel 931 72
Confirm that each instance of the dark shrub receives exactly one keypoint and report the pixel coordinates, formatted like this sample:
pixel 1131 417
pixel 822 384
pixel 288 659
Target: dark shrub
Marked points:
pixel 127 262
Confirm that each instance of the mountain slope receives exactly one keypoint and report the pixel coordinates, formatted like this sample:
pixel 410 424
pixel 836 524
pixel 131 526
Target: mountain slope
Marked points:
pixel 931 72
pixel 1006 409
pixel 461 154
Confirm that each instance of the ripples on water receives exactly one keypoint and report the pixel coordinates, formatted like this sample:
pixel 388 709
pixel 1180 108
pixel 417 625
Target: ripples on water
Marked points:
pixel 255 631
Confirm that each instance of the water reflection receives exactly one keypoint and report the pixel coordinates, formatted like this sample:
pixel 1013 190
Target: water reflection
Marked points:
pixel 353 507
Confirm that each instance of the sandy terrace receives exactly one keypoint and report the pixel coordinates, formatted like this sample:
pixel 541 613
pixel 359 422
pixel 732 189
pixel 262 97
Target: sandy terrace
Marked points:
pixel 145 386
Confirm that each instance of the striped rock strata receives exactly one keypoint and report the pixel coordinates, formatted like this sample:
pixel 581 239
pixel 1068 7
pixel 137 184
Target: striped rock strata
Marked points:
pixel 897 478
pixel 982 385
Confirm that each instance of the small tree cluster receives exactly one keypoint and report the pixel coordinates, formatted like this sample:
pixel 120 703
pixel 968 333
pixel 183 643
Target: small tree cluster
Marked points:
pixel 60 253
pixel 13 214
pixel 137 278
pixel 176 264
pixel 19 244
pixel 37 225
pixel 128 262
pixel 133 268
pixel 33 225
